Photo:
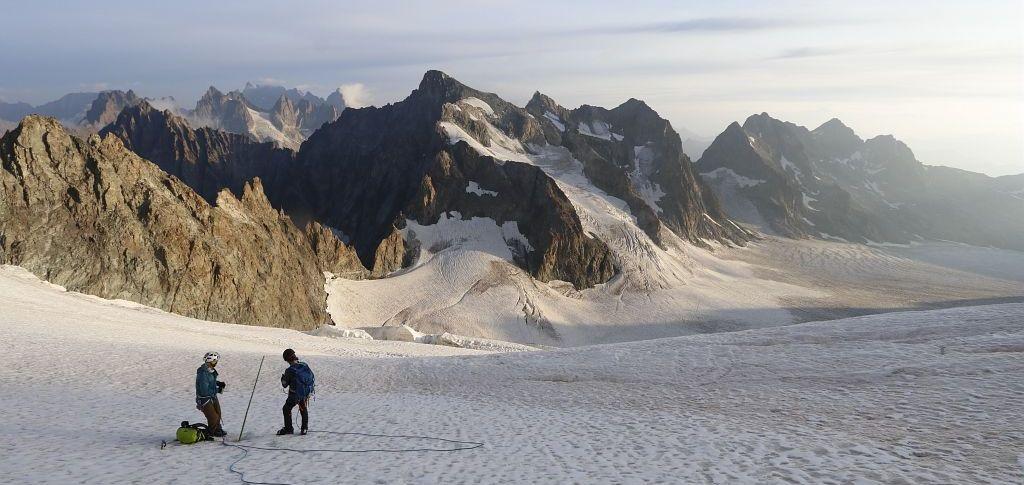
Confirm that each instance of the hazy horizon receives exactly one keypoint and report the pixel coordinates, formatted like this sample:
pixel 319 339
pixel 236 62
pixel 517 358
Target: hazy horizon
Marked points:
pixel 946 78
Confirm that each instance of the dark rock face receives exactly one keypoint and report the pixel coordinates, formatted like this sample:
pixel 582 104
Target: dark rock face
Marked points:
pixel 210 161
pixel 206 159
pixel 828 182
pixel 633 154
pixel 107 106
pixel 782 177
pixel 374 168
pixel 775 197
pixel 521 193
pixel 94 217
pixel 357 173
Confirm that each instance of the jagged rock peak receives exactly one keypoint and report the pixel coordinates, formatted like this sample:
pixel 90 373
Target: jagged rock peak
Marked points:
pixel 439 85
pixel 759 119
pixel 337 99
pixel 835 128
pixel 734 128
pixel 212 92
pixel 284 100
pixel 253 194
pixel 833 124
pixel 35 123
pixel 636 104
pixel 105 108
pixel 888 147
pixel 144 111
pixel 207 159
pixel 542 102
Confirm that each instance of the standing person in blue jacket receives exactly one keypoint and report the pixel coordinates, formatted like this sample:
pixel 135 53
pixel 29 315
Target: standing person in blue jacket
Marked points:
pixel 207 388
pixel 298 378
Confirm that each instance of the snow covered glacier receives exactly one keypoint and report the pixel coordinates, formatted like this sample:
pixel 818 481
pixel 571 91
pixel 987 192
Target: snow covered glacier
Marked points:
pixel 912 397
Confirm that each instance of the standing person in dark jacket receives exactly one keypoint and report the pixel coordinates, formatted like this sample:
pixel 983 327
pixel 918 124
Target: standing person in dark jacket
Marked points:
pixel 207 388
pixel 298 378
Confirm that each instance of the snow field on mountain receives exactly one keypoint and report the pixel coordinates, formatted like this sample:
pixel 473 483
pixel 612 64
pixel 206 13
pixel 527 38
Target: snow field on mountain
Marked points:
pixel 555 120
pixel 264 130
pixel 855 279
pixel 914 397
pixel 474 188
pixel 479 104
pixel 640 177
pixel 727 175
pixel 468 286
pixel 461 289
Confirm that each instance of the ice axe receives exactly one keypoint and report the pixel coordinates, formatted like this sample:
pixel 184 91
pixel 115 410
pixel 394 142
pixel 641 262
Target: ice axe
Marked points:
pixel 254 382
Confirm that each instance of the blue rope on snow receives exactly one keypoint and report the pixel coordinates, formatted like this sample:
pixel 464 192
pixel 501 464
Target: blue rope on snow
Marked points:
pixel 461 446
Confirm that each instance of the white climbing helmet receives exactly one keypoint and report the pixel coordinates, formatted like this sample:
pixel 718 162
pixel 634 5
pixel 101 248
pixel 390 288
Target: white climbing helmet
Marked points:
pixel 211 357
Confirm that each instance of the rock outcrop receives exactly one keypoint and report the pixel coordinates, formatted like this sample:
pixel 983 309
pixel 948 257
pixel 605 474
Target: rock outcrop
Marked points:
pixel 206 159
pixel 334 255
pixel 95 217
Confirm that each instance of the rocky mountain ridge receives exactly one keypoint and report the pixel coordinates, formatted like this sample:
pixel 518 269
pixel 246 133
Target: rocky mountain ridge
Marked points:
pixel 206 159
pixel 95 217
pixel 450 149
pixel 830 183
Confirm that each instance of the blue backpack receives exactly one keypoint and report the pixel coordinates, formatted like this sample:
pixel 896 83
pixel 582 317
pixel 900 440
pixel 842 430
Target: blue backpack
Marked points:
pixel 304 383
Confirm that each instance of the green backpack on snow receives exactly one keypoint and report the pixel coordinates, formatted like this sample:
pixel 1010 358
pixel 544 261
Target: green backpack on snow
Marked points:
pixel 192 433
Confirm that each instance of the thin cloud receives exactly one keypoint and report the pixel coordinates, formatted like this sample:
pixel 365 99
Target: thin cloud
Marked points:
pixel 356 95
pixel 270 81
pixel 100 86
pixel 706 25
pixel 805 52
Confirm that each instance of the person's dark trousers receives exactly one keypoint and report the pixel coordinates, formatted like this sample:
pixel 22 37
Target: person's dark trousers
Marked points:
pixel 289 405
pixel 211 409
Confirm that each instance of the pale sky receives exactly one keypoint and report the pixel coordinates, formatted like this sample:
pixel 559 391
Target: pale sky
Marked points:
pixel 947 77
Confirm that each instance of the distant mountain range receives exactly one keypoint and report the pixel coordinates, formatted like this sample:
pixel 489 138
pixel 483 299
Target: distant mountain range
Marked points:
pixel 287 120
pixel 828 182
pixel 70 108
pixel 285 116
pixel 274 183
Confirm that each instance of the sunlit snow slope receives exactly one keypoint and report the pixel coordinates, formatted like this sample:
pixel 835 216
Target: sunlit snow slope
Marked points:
pixel 91 387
